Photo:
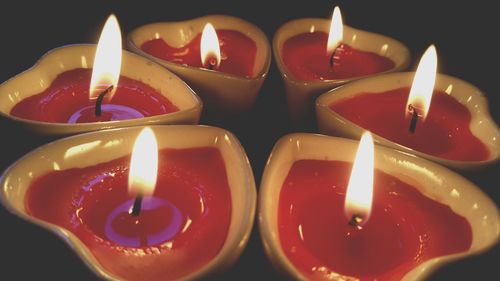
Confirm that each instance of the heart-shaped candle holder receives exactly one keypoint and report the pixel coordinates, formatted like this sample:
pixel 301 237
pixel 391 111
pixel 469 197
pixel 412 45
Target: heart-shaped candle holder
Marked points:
pixel 434 182
pixel 85 152
pixel 222 93
pixel 38 78
pixel 301 94
pixel 483 129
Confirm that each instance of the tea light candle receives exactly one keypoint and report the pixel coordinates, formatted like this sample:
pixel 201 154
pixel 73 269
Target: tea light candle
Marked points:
pixel 195 216
pixel 226 64
pixel 454 129
pixel 62 90
pixel 314 55
pixel 319 219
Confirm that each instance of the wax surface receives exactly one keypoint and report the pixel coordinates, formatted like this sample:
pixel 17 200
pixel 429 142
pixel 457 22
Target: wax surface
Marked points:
pixel 238 52
pixel 305 56
pixel 179 230
pixel 405 228
pixel 66 100
pixel 444 133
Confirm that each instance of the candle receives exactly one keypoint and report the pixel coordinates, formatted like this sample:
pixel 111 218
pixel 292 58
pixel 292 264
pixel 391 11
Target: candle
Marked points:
pixel 445 126
pixel 318 55
pixel 234 51
pixel 80 84
pixel 320 220
pixel 227 75
pixel 164 213
pixel 404 229
pixel 314 55
pixel 69 100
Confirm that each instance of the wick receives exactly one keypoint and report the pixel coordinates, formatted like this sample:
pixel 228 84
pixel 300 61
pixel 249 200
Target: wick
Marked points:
pixel 332 57
pixel 211 64
pixel 98 102
pixel 136 208
pixel 414 118
pixel 356 220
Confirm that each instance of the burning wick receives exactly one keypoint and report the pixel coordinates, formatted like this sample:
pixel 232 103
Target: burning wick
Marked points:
pixel 356 220
pixel 136 208
pixel 100 98
pixel 211 64
pixel 332 57
pixel 414 118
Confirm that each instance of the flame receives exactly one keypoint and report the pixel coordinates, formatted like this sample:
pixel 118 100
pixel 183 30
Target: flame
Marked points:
pixel 336 32
pixel 359 194
pixel 423 83
pixel 107 60
pixel 143 164
pixel 209 46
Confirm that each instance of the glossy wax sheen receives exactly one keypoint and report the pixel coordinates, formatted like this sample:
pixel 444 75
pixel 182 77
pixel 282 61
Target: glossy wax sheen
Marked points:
pixel 180 229
pixel 305 57
pixel 444 133
pixel 405 228
pixel 67 100
pixel 238 52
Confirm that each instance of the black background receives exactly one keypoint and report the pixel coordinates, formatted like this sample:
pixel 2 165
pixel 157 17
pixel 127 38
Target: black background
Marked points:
pixel 465 33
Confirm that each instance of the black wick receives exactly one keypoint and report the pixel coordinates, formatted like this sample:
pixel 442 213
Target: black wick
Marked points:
pixel 211 64
pixel 100 98
pixel 355 220
pixel 414 118
pixel 332 57
pixel 136 208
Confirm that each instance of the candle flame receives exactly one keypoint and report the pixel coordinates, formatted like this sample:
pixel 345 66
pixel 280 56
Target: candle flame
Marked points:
pixel 359 194
pixel 107 60
pixel 336 32
pixel 143 164
pixel 209 47
pixel 423 83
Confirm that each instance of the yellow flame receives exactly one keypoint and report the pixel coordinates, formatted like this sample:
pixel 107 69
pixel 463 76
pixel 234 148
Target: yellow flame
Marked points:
pixel 423 83
pixel 336 32
pixel 359 194
pixel 143 164
pixel 107 60
pixel 209 46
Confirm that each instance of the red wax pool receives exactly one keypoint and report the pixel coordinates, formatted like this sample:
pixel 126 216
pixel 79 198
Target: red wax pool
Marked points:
pixel 305 56
pixel 66 100
pixel 405 227
pixel 238 52
pixel 180 229
pixel 444 133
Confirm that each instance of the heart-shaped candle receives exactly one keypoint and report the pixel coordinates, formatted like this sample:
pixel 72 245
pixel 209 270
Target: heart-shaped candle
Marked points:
pixel 227 75
pixel 183 210
pixel 79 88
pixel 314 55
pixel 454 128
pixel 319 220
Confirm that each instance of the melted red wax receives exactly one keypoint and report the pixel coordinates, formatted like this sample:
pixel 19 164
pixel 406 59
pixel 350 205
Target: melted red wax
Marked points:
pixel 238 52
pixel 444 133
pixel 405 228
pixel 305 56
pixel 178 231
pixel 67 101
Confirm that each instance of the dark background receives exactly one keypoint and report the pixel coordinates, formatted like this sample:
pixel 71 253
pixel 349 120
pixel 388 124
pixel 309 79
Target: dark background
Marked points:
pixel 464 32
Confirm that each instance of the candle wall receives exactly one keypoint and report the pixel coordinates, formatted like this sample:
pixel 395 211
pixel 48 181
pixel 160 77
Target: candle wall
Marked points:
pixel 467 49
